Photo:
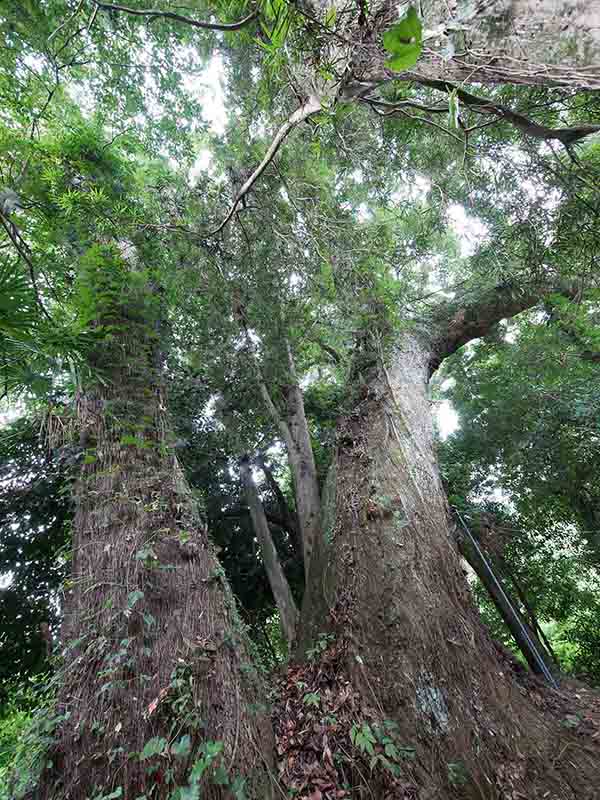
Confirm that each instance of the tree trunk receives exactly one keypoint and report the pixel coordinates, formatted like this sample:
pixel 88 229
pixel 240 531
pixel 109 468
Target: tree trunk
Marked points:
pixel 528 42
pixel 400 610
pixel 535 42
pixel 277 580
pixel 288 518
pixel 156 682
pixel 304 474
pixel 296 434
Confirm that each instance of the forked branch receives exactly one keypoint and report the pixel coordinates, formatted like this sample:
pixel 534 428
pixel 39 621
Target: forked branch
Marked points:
pixel 566 136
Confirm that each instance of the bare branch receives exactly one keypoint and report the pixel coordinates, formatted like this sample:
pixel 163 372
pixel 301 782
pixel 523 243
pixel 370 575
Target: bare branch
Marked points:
pixel 155 13
pixel 312 106
pixel 67 21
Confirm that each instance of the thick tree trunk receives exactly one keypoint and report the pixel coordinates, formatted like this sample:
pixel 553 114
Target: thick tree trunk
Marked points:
pixel 536 42
pixel 400 609
pixel 530 42
pixel 284 599
pixel 156 682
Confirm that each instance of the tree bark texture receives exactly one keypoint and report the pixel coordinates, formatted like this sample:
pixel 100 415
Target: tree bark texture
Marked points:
pixel 397 602
pixel 154 654
pixel 530 42
pixel 304 474
pixel 284 599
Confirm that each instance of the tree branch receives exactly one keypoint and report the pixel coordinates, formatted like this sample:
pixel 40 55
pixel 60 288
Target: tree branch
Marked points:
pixel 155 13
pixel 312 106
pixel 473 320
pixel 14 237
pixel 288 611
pixel 289 520
pixel 276 416
pixel 567 136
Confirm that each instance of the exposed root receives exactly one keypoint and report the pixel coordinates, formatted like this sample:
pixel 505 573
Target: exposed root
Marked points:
pixel 332 742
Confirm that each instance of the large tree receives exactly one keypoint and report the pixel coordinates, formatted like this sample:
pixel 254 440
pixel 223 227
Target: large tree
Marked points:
pixel 312 262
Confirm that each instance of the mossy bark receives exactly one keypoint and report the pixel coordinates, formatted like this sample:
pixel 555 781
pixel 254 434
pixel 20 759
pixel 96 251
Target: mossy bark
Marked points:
pixel 154 655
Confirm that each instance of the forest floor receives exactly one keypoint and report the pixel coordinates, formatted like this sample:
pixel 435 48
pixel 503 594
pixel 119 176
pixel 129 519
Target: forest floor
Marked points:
pixel 330 741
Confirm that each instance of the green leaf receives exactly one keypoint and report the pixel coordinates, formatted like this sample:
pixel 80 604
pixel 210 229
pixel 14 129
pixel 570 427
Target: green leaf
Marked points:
pixel 238 788
pixel 390 750
pixel 220 776
pixel 133 597
pixel 404 41
pixel 153 747
pixel 330 16
pixel 118 792
pixel 312 699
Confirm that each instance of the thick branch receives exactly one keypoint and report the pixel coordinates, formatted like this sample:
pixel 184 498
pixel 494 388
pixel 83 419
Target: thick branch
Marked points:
pixel 277 579
pixel 312 106
pixel 289 520
pixel 155 13
pixel 567 136
pixel 470 321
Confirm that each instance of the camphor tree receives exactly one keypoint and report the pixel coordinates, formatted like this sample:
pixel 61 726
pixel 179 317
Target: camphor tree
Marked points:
pixel 383 583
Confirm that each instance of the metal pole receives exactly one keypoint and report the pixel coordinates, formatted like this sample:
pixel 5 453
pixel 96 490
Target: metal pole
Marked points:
pixel 538 658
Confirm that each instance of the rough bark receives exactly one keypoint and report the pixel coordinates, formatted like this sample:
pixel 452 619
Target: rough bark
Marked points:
pixel 399 606
pixel 284 599
pixel 543 42
pixel 152 647
pixel 537 42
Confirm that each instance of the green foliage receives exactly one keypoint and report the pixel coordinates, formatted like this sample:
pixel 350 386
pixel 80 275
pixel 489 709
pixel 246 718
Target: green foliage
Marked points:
pixel 27 725
pixel 312 699
pixel 362 737
pixel 529 420
pixel 404 41
pixel 321 644
pixel 379 743
pixel 346 243
pixel 14 720
pixel 35 516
